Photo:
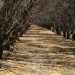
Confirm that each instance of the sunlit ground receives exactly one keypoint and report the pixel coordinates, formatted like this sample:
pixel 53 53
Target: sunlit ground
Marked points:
pixel 40 52
pixel 36 69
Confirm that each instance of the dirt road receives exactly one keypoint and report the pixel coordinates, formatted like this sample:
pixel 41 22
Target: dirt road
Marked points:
pixel 40 52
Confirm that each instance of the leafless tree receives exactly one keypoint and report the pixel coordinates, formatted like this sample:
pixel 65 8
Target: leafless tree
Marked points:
pixel 14 17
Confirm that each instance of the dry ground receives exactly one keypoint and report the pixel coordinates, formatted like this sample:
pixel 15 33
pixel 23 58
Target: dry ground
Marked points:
pixel 40 52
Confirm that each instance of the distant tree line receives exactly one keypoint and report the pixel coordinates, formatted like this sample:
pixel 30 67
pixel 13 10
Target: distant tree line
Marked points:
pixel 63 22
pixel 56 15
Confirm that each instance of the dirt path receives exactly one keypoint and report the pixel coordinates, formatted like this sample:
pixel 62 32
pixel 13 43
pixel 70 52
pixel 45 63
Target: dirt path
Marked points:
pixel 41 52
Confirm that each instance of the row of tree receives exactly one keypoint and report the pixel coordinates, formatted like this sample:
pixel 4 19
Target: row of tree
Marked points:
pixel 14 15
pixel 57 15
pixel 63 19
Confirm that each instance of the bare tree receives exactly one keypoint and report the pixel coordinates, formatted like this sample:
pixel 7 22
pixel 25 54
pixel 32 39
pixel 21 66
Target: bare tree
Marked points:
pixel 14 17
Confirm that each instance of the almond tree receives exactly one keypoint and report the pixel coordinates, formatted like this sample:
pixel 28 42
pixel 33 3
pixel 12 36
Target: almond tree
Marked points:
pixel 14 17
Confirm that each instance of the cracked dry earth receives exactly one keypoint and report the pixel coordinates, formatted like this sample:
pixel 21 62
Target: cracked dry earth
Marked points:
pixel 40 52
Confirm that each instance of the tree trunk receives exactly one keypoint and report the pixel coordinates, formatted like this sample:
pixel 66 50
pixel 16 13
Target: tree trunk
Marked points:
pixel 68 35
pixel 73 36
pixel 1 53
pixel 64 34
pixel 58 32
